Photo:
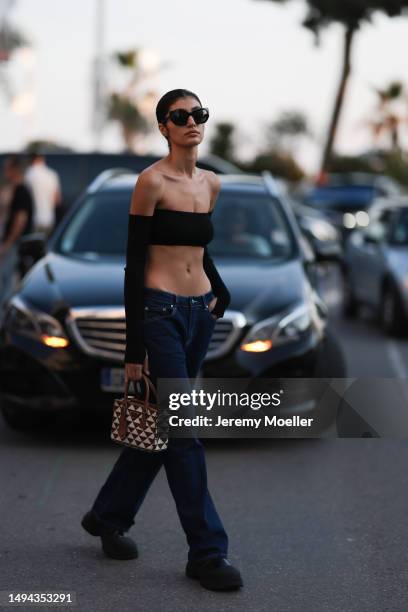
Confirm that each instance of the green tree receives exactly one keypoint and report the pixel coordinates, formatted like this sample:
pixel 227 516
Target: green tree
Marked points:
pixel 126 112
pixel 125 106
pixel 222 142
pixel 278 163
pixel 285 132
pixel 10 40
pixel 351 14
pixel 10 37
pixel 46 146
pixel 388 118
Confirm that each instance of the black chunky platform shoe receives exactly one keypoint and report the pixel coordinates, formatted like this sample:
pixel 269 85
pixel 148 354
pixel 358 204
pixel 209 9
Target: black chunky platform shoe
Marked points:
pixel 215 574
pixel 114 544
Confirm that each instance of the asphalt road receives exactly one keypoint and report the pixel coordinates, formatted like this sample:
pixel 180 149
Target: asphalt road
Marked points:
pixel 314 525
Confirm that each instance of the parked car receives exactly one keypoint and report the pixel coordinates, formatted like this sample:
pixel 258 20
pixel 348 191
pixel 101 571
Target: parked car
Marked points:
pixel 63 334
pixel 324 237
pixel 376 265
pixel 345 198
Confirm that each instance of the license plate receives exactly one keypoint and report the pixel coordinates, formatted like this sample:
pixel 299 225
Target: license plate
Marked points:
pixel 113 380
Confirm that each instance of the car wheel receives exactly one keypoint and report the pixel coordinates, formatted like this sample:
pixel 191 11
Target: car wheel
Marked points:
pixel 20 418
pixel 392 316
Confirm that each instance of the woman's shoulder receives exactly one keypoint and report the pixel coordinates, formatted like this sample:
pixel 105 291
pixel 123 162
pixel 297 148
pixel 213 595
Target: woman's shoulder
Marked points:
pixel 147 192
pixel 213 180
pixel 151 176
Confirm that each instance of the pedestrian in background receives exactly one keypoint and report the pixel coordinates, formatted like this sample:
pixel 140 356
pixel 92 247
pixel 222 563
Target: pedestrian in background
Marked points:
pixel 46 190
pixel 18 222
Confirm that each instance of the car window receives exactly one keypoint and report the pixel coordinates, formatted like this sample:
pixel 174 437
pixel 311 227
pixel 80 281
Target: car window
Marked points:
pixel 99 226
pixel 399 229
pixel 251 225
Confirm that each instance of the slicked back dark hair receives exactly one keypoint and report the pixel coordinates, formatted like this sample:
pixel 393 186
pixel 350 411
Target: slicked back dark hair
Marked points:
pixel 167 100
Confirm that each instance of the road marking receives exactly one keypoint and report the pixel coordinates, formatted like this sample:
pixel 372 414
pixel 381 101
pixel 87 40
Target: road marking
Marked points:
pixel 398 364
pixel 51 479
pixel 396 359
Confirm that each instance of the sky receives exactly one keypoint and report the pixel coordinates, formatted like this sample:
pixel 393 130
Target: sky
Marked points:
pixel 248 60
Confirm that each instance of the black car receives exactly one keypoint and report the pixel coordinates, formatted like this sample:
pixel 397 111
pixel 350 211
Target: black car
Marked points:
pixel 63 331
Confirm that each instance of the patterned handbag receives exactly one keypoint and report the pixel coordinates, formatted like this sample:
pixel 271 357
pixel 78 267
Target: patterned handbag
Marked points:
pixel 137 422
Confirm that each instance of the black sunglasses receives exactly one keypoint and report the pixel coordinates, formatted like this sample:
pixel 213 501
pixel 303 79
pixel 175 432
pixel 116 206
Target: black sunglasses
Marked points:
pixel 179 116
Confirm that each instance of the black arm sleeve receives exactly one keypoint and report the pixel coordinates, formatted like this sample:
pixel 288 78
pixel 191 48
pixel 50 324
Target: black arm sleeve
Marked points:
pixel 139 227
pixel 23 200
pixel 217 284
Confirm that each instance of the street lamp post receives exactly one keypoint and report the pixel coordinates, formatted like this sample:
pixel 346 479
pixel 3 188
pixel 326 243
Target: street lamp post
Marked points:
pixel 98 111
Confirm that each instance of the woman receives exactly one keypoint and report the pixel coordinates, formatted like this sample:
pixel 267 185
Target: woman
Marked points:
pixel 173 296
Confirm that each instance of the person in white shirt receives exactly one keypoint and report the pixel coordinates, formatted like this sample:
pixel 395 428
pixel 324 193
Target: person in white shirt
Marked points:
pixel 46 190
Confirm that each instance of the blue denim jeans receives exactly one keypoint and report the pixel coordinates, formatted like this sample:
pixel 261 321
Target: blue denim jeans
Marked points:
pixel 177 332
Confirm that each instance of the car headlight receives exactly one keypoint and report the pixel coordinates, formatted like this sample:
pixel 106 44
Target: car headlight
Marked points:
pixel 278 330
pixel 33 323
pixel 349 220
pixel 360 218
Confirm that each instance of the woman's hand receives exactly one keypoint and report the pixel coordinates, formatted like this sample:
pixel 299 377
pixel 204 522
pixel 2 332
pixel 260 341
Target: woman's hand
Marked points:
pixel 133 371
pixel 211 305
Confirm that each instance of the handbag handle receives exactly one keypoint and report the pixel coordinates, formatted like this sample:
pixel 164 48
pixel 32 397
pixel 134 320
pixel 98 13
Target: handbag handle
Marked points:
pixel 123 423
pixel 148 384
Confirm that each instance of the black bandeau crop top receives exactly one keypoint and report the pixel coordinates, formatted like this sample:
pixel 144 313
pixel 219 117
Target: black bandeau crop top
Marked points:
pixel 181 227
pixel 165 226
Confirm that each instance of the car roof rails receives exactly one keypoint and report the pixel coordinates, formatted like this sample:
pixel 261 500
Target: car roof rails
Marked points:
pixel 240 178
pixel 271 183
pixel 107 175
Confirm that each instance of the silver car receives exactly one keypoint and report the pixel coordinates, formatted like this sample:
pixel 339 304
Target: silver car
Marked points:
pixel 376 264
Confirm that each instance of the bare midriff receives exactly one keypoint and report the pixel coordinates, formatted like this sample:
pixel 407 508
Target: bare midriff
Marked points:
pixel 177 269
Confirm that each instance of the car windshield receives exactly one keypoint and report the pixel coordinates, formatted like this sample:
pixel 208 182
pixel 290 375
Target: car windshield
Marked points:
pixel 246 224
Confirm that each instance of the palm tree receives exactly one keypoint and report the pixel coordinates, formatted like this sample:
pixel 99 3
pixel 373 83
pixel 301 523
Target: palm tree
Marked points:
pixel 351 14
pixel 127 106
pixel 132 123
pixel 388 119
pixel 10 37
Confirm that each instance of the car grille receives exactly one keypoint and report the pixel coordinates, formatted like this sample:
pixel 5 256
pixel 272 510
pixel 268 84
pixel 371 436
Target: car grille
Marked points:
pixel 100 332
